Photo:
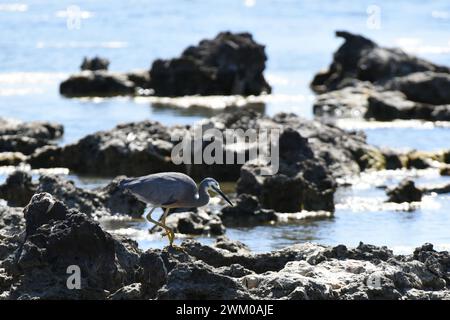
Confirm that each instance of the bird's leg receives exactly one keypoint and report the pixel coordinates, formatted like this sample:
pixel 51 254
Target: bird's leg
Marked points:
pixel 169 232
pixel 149 218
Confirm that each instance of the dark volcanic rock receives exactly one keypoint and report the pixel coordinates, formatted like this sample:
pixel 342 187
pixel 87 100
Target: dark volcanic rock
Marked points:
pixel 361 59
pixel 133 149
pixel 146 147
pixel 391 105
pixel 34 266
pixel 228 64
pixel 406 191
pixel 194 223
pixel 246 211
pixel 11 222
pixel 56 238
pixel 426 87
pixel 381 84
pixel 19 188
pixel 94 64
pixel 97 84
pixel 25 137
pixel 231 63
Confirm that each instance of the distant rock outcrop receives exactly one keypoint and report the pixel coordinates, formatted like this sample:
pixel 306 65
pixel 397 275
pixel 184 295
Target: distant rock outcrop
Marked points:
pixel 366 80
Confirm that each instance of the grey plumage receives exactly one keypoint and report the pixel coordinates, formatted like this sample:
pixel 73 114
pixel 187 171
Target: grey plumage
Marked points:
pixel 171 190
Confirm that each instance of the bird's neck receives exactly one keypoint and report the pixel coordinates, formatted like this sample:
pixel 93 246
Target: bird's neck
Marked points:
pixel 203 196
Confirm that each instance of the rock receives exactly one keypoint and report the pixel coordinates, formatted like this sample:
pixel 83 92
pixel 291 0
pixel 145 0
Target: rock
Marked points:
pixel 94 64
pixel 406 191
pixel 97 84
pixel 194 223
pixel 154 272
pixel 11 222
pixel 425 87
pixel 198 281
pixel 56 238
pixel 225 243
pixel 259 263
pixel 351 101
pixel 132 149
pixel 445 170
pixel 362 59
pixel 130 292
pixel 18 189
pixel 109 200
pixel 392 159
pixel 34 266
pixel 441 113
pixel 25 137
pixel 418 160
pixel 246 212
pixel 319 272
pixel 141 148
pixel 439 189
pixel 231 63
pixel 391 105
pixel 12 158
pixel 383 84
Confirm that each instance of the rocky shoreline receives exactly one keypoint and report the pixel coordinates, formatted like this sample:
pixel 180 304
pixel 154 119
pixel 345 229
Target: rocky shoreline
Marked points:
pixel 35 256
pixel 384 84
pixel 50 224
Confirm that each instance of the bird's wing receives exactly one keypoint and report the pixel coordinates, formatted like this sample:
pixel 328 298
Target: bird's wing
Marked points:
pixel 162 189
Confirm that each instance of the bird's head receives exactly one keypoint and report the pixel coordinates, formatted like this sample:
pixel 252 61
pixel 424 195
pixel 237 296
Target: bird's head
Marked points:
pixel 214 186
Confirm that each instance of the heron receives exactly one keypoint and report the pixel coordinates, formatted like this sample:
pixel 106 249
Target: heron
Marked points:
pixel 168 190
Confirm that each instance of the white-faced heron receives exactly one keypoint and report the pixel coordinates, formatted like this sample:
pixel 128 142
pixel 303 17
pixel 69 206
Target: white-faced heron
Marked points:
pixel 171 190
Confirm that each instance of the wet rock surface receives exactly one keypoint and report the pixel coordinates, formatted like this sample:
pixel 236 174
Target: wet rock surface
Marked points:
pixel 25 137
pixel 366 80
pixel 51 237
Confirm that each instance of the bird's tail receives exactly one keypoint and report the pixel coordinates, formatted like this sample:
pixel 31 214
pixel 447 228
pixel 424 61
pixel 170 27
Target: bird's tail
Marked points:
pixel 124 183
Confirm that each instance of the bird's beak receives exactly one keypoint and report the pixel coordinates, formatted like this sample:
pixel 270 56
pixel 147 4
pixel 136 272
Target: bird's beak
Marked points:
pixel 223 196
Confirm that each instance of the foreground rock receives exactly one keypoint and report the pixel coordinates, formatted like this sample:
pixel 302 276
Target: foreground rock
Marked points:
pixel 17 137
pixel 109 200
pixel 383 84
pixel 34 266
pixel 55 239
pixel 229 64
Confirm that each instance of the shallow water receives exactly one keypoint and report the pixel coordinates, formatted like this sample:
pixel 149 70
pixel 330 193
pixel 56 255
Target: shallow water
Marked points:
pixel 38 50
